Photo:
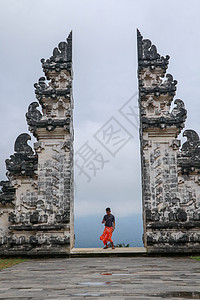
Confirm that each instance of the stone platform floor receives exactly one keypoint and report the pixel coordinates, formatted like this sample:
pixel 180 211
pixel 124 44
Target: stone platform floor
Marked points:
pixel 103 278
pixel 119 251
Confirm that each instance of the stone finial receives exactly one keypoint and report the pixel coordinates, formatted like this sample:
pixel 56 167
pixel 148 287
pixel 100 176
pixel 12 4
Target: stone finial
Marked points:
pixel 69 47
pixel 33 114
pixel 157 89
pixel 57 69
pixel 179 111
pixel 149 50
pixel 61 58
pixel 41 85
pixel 189 157
pixel 63 53
pixel 148 55
pixel 23 161
pixel 21 145
pixel 169 81
pixel 192 146
pixel 54 92
pixel 152 68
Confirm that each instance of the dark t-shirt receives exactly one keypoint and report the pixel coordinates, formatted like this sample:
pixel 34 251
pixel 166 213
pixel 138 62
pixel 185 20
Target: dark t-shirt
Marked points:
pixel 110 219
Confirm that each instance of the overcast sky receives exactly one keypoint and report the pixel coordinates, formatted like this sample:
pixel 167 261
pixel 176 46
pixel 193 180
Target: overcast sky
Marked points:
pixel 105 79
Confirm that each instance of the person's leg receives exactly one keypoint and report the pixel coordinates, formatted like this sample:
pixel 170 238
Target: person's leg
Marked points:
pixel 109 238
pixel 113 247
pixel 104 238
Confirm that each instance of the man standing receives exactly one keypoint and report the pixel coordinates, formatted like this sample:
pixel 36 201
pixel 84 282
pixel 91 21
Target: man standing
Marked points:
pixel 109 221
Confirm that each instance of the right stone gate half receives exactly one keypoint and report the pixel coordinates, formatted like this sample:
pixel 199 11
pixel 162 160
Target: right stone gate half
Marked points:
pixel 170 172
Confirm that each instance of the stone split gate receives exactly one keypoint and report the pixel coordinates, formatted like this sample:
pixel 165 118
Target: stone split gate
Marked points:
pixel 37 201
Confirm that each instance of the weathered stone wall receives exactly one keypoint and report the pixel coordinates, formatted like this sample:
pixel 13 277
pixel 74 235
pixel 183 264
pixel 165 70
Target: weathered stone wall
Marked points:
pixel 36 211
pixel 170 174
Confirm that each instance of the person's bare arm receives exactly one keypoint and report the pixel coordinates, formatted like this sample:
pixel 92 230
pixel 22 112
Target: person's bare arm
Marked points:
pixel 103 221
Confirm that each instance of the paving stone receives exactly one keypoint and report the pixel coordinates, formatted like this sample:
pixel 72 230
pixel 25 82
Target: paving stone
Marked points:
pixel 88 278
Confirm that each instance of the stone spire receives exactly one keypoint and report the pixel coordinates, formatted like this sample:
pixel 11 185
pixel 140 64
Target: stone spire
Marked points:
pixel 54 92
pixel 38 199
pixel 148 55
pixel 170 195
pixel 60 60
pixel 157 89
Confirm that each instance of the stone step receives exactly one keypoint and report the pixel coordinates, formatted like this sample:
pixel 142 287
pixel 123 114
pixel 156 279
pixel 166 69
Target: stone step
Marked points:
pixel 118 251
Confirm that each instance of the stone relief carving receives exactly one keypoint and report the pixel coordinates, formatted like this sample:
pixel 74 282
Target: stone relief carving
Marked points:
pixel 192 146
pixel 61 58
pixel 169 82
pixel 33 115
pixel 23 161
pixel 21 145
pixel 41 85
pixel 148 55
pixel 179 110
pixel 189 157
pixel 39 146
pixel 7 193
pixel 63 80
pixel 60 52
pixel 149 50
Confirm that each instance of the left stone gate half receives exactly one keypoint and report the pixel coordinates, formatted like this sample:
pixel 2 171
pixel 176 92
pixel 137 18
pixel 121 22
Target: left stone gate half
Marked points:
pixel 37 201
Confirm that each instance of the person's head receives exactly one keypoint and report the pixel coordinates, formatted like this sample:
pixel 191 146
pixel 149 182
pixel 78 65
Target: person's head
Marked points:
pixel 108 210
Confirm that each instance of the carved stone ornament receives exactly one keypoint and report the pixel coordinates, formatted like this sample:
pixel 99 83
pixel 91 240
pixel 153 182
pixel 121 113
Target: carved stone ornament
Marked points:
pixel 179 110
pixel 24 161
pixel 189 158
pixel 34 120
pixel 192 146
pixel 41 85
pixel 33 115
pixel 168 86
pixel 7 193
pixel 163 122
pixel 39 146
pixel 51 91
pixel 21 145
pixel 61 58
pixel 148 55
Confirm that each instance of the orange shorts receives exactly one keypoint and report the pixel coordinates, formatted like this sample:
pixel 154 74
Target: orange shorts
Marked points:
pixel 107 235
